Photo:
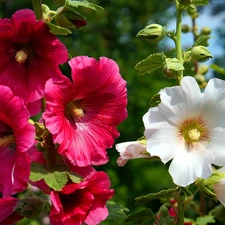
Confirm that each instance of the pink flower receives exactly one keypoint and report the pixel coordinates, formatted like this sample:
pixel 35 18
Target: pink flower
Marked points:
pixel 16 137
pixel 80 203
pixel 7 214
pixel 30 55
pixel 83 115
pixel 131 150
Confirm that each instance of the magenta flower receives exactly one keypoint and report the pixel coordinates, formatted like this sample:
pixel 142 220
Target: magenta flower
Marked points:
pixel 83 115
pixel 16 137
pixel 80 203
pixel 30 55
pixel 7 214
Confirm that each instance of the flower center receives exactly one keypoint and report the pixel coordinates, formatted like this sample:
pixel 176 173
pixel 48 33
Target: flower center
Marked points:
pixel 74 111
pixel 194 134
pixel 194 130
pixel 21 56
pixel 7 141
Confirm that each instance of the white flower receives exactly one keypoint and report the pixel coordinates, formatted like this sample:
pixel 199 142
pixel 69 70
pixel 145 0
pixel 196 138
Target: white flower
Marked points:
pixel 188 127
pixel 131 150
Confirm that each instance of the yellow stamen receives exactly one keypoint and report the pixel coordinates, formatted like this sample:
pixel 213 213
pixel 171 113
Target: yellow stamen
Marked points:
pixel 74 111
pixel 6 141
pixel 194 134
pixel 21 56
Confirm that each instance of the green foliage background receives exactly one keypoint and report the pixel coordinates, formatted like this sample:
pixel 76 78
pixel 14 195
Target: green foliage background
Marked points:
pixel 112 33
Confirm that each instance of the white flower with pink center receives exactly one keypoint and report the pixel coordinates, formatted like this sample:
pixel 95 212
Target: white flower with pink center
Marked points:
pixel 189 128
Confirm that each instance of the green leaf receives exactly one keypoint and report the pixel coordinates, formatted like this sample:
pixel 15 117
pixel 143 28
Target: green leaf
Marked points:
pixel 205 220
pixel 202 40
pixel 84 3
pixel 55 179
pixel 162 194
pixel 155 100
pixel 150 64
pixel 200 2
pixel 116 211
pixel 141 216
pixel 218 69
pixel 57 30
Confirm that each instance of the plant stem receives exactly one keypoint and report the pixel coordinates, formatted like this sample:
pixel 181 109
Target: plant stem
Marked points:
pixel 180 219
pixel 37 8
pixel 178 36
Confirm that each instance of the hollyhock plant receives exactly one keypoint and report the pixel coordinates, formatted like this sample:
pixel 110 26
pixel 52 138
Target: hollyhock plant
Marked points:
pixel 82 115
pixel 16 138
pixel 80 203
pixel 131 150
pixel 188 127
pixel 29 55
pixel 7 214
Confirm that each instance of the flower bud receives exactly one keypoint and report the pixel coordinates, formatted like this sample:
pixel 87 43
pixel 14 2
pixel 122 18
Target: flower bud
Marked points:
pixel 185 28
pixel 201 80
pixel 205 30
pixel 30 206
pixel 200 54
pixel 152 33
pixel 184 3
pixel 191 9
pixel 172 68
pixel 69 18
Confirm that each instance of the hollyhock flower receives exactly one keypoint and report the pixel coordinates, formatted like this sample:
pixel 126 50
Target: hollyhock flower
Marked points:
pixel 16 137
pixel 131 150
pixel 30 55
pixel 80 203
pixel 188 127
pixel 7 214
pixel 82 115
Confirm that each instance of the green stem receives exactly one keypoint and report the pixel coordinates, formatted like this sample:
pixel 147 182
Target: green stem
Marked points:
pixel 180 219
pixel 37 8
pixel 178 36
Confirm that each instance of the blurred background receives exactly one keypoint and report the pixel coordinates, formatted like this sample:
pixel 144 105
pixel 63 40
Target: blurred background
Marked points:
pixel 112 33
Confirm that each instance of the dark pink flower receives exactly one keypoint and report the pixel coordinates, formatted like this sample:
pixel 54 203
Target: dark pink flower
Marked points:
pixel 7 214
pixel 16 137
pixel 80 203
pixel 30 55
pixel 83 115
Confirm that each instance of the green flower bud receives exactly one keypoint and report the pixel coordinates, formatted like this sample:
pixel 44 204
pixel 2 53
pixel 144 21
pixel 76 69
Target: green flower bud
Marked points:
pixel 172 68
pixel 200 54
pixel 30 206
pixel 152 33
pixel 205 31
pixel 201 80
pixel 69 18
pixel 184 3
pixel 185 28
pixel 191 9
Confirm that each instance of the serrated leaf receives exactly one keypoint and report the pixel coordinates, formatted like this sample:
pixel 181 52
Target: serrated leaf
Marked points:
pixel 202 40
pixel 205 220
pixel 84 3
pixel 74 177
pixel 200 2
pixel 150 64
pixel 57 30
pixel 38 171
pixel 141 216
pixel 155 100
pixel 162 194
pixel 218 69
pixel 116 211
pixel 56 180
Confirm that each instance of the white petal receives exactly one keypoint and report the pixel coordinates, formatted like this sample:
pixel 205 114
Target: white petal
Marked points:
pixel 187 166
pixel 217 146
pixel 213 104
pixel 220 190
pixel 163 142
